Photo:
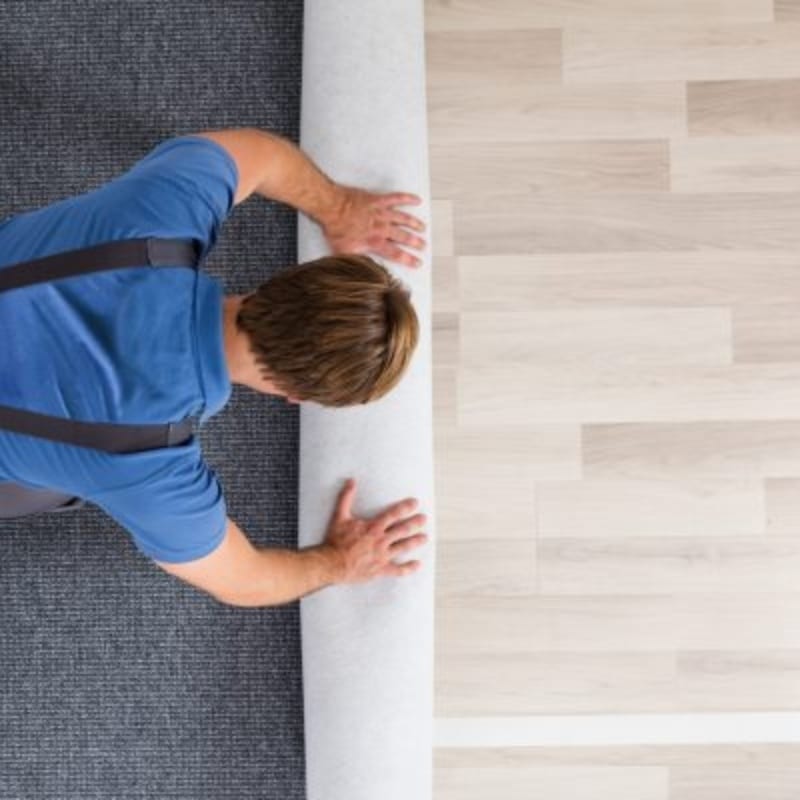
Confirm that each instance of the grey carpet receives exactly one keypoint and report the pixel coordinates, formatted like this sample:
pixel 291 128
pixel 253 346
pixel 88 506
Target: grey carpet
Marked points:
pixel 117 680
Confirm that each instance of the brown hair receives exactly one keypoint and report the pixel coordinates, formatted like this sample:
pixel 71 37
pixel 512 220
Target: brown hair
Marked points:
pixel 339 330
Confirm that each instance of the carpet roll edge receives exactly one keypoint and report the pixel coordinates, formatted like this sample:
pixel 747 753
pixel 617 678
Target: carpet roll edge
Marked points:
pixel 368 648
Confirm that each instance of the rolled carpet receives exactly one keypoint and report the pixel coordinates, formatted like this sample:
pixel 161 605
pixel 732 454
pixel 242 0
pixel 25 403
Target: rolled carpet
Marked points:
pixel 368 648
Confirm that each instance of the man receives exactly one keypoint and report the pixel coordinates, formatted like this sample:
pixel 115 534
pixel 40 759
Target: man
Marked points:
pixel 136 345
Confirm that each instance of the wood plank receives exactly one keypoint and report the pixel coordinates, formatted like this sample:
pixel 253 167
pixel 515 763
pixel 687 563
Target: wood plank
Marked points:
pixel 456 57
pixel 446 330
pixel 659 682
pixel 641 221
pixel 475 684
pixel 491 566
pixel 766 680
pixel 491 169
pixel 619 337
pixel 515 395
pixel 744 107
pixel 668 565
pixel 485 479
pixel 573 783
pixel 786 10
pixel 610 508
pixel 440 240
pixel 445 284
pixel 726 449
pixel 735 783
pixel 638 50
pixel 782 497
pixel 766 334
pixel 712 755
pixel 735 164
pixel 477 625
pixel 586 280
pixel 522 14
pixel 524 111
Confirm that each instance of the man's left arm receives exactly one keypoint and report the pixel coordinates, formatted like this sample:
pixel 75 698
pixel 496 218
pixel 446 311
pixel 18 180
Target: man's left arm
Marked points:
pixel 353 220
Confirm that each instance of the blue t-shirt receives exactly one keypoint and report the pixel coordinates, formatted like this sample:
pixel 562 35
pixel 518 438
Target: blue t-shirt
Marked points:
pixel 130 345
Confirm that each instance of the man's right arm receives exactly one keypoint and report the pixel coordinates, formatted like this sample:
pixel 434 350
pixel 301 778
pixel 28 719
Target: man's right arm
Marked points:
pixel 355 549
pixel 239 573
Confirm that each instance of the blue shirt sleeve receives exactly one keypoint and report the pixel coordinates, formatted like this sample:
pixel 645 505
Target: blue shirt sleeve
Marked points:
pixel 184 187
pixel 177 512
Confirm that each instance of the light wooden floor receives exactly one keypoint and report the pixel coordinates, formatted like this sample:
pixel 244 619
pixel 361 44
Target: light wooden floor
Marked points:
pixel 616 241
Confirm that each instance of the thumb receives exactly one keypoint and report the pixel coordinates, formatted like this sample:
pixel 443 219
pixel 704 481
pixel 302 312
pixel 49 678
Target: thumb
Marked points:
pixel 345 504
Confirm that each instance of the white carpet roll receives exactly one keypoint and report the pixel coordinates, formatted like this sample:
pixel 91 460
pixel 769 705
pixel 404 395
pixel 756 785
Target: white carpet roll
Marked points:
pixel 368 648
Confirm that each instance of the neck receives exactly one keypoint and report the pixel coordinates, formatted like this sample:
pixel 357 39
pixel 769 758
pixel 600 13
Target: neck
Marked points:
pixel 241 364
pixel 235 344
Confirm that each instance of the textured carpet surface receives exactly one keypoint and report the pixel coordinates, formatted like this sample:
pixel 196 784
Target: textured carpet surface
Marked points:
pixel 117 680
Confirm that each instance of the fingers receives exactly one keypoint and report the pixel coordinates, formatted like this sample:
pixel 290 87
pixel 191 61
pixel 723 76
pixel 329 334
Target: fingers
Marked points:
pixel 404 237
pixel 400 199
pixel 397 570
pixel 408 544
pixel 405 528
pixel 410 221
pixel 401 256
pixel 395 512
pixel 345 503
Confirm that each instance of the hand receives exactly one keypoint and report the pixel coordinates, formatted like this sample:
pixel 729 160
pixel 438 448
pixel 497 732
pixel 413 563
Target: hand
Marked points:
pixel 363 548
pixel 365 222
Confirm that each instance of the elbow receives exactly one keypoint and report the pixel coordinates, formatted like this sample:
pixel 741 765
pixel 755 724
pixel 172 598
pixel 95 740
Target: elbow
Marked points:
pixel 238 600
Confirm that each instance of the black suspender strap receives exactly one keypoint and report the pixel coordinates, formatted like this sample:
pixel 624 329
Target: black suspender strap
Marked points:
pixel 108 436
pixel 101 257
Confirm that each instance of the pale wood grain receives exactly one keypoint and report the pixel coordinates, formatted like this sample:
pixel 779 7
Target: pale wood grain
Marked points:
pixel 638 50
pixel 668 565
pixel 573 783
pixel 616 381
pixel 782 497
pixel 708 756
pixel 584 280
pixel 485 479
pixel 605 508
pixel 726 449
pixel 456 57
pixel 643 221
pixel 523 111
pixel 768 333
pixel 735 163
pixel 494 565
pixel 760 680
pixel 442 226
pixel 475 684
pixel 444 279
pixel 744 107
pixel 483 624
pixel 735 783
pixel 658 682
pixel 787 10
pixel 491 169
pixel 446 327
pixel 445 398
pixel 516 14
pixel 515 395
pixel 618 337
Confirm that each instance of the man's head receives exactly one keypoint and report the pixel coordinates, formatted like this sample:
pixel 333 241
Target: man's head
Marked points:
pixel 339 330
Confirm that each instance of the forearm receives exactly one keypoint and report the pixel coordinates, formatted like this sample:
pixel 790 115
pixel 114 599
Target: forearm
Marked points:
pixel 282 576
pixel 291 177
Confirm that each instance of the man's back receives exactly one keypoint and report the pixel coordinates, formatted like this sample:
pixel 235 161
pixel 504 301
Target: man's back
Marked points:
pixel 136 345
